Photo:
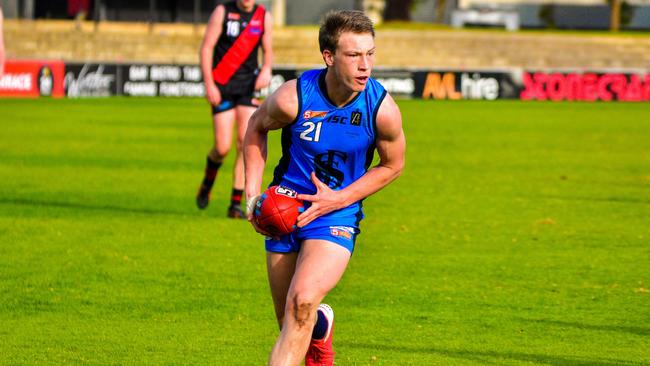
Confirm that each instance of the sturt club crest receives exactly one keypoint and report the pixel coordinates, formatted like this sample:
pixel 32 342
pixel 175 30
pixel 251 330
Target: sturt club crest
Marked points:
pixel 326 167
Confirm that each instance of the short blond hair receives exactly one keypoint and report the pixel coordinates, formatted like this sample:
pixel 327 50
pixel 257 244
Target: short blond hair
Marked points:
pixel 337 22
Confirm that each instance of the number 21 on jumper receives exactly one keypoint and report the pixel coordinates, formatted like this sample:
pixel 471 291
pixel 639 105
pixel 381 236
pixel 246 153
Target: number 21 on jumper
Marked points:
pixel 311 127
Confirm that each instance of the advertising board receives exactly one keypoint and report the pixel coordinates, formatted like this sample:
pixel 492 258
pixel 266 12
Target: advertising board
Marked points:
pixel 32 78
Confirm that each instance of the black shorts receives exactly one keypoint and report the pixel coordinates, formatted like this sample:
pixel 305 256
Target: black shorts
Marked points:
pixel 238 91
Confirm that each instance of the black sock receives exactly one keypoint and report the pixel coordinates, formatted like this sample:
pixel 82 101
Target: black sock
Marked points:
pixel 211 169
pixel 235 197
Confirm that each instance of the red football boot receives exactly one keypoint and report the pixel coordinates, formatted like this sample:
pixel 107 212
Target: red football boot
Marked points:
pixel 320 352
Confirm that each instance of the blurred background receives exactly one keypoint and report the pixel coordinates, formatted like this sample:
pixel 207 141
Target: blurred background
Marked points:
pixel 565 14
pixel 435 49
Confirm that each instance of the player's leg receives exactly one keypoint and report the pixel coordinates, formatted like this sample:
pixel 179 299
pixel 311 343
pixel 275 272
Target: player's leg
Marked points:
pixel 281 257
pixel 243 114
pixel 222 122
pixel 280 268
pixel 321 351
pixel 320 266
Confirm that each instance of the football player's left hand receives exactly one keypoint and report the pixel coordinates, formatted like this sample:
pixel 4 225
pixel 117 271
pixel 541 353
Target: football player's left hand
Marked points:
pixel 323 202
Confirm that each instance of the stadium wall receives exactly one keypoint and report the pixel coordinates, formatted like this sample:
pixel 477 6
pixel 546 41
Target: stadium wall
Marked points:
pixel 80 80
pixel 161 43
pixel 574 16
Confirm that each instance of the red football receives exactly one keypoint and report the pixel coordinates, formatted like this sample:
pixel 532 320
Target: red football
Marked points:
pixel 277 210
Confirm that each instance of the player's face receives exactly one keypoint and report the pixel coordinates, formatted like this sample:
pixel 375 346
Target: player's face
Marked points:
pixel 354 59
pixel 245 4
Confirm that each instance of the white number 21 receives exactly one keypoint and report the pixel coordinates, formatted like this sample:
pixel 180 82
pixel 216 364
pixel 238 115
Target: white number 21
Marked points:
pixel 310 128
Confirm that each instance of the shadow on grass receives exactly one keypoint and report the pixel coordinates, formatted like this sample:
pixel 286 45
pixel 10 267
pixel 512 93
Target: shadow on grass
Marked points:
pixel 90 206
pixel 598 199
pixel 642 331
pixel 496 358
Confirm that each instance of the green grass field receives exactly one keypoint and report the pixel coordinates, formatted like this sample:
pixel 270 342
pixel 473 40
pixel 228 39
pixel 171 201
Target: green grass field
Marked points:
pixel 518 234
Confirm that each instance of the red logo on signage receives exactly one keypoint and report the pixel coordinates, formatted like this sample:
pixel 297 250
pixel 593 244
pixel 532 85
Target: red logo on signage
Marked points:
pixel 32 79
pixel 585 87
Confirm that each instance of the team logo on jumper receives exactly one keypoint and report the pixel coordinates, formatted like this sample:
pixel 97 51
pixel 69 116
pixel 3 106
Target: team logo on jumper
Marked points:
pixel 355 119
pixel 344 232
pixel 234 16
pixel 313 114
pixel 326 165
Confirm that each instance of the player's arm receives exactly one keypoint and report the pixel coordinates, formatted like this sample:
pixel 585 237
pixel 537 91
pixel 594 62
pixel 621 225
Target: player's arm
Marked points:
pixel 391 148
pixel 212 34
pixel 278 110
pixel 264 78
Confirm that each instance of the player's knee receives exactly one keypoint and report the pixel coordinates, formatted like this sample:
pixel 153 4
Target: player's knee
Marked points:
pixel 221 151
pixel 214 156
pixel 303 307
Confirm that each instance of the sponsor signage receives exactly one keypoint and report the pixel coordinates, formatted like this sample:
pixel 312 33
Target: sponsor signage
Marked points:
pixel 455 85
pixel 50 78
pixel 398 83
pixel 32 78
pixel 90 80
pixel 162 80
pixel 585 87
pixel 278 77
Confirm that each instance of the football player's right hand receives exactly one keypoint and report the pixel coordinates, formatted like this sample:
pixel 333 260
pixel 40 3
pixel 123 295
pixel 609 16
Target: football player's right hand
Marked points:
pixel 250 206
pixel 212 94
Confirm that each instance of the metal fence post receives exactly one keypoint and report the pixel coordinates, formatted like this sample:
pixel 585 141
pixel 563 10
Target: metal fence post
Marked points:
pixel 152 14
